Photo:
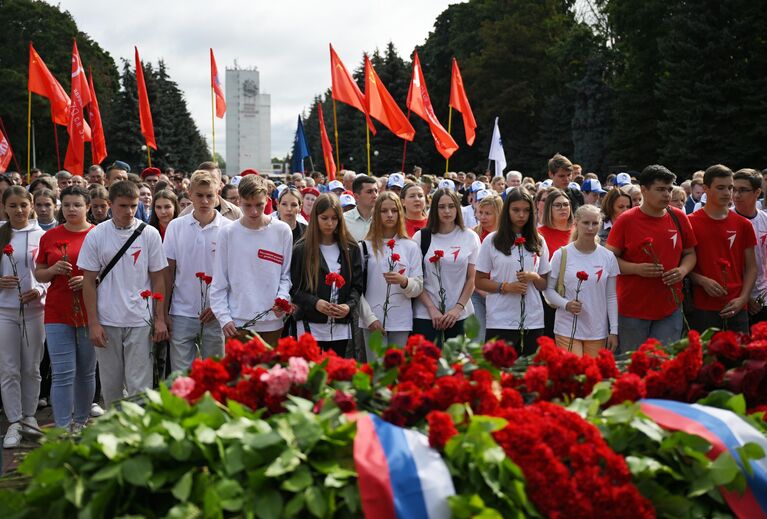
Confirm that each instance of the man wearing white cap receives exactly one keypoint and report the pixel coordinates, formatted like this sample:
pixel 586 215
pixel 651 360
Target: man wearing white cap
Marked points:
pixel 396 182
pixel 446 183
pixel 592 191
pixel 622 179
pixel 336 186
pixel 469 216
pixel 347 201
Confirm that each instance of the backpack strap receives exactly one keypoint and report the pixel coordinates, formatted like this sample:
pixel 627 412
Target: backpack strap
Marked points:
pixel 425 243
pixel 562 267
pixel 676 222
pixel 365 258
pixel 120 253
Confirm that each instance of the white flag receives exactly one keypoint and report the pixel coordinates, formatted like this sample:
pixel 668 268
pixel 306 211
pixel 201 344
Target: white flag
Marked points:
pixel 496 151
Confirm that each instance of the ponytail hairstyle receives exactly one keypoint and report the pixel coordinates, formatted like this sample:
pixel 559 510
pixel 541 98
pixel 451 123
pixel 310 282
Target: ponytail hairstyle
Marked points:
pixel 375 233
pixel 505 237
pixel 312 238
pixel 73 191
pixel 580 213
pixel 6 231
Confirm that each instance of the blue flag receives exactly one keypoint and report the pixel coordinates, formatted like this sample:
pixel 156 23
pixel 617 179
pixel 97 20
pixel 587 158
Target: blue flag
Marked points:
pixel 300 148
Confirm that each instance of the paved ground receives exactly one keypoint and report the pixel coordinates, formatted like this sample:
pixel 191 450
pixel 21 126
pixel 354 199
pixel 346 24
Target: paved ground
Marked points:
pixel 12 457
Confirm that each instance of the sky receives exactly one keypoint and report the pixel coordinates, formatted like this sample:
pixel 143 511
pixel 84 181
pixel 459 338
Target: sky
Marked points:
pixel 287 40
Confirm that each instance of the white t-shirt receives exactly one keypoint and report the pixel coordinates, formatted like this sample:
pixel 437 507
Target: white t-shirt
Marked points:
pixel 119 301
pixel 252 269
pixel 193 248
pixel 469 218
pixel 598 296
pixel 26 247
pixel 400 313
pixel 503 310
pixel 759 222
pixel 321 331
pixel 461 248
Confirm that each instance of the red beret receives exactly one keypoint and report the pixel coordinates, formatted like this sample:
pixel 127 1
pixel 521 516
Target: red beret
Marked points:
pixel 310 191
pixel 150 171
pixel 247 172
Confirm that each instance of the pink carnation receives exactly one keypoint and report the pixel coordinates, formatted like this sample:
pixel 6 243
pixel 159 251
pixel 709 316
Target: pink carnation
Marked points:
pixel 299 370
pixel 277 380
pixel 182 387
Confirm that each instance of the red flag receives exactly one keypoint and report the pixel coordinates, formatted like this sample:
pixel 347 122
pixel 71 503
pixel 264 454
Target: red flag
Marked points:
pixel 98 143
pixel 418 101
pixel 42 82
pixel 381 105
pixel 215 84
pixel 144 112
pixel 460 102
pixel 78 129
pixel 327 149
pixel 345 89
pixel 6 154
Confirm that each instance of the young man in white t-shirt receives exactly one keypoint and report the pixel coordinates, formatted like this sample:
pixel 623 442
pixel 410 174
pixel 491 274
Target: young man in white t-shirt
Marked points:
pixel 748 188
pixel 252 266
pixel 190 245
pixel 118 319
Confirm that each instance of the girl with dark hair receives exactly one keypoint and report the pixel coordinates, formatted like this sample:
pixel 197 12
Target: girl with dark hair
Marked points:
pixel 73 359
pixel 615 203
pixel 21 348
pixel 450 253
pixel 393 265
pixel 45 209
pixel 414 204
pixel 164 209
pixel 326 248
pixel 512 268
pixel 289 209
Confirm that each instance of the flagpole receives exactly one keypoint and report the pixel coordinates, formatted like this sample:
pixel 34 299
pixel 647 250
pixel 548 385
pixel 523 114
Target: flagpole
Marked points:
pixel 29 131
pixel 34 154
pixel 148 156
pixel 311 162
pixel 56 140
pixel 404 146
pixel 335 130
pixel 367 134
pixel 213 120
pixel 449 125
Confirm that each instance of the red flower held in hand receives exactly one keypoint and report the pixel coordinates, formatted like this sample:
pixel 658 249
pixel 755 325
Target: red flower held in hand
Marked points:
pixel 520 241
pixel 582 275
pixel 646 242
pixel 723 264
pixel 157 296
pixel 146 294
pixel 395 257
pixel 200 275
pixel 208 280
pixel 391 244
pixel 8 250
pixel 284 305
pixel 334 277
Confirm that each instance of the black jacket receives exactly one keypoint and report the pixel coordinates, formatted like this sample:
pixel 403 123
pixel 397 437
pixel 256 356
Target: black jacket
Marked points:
pixel 306 301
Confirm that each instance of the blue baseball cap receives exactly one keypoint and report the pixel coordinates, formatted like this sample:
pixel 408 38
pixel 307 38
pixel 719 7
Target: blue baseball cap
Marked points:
pixel 591 185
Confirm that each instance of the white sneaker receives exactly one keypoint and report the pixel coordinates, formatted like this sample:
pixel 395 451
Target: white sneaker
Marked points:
pixel 30 426
pixel 76 428
pixel 96 410
pixel 12 436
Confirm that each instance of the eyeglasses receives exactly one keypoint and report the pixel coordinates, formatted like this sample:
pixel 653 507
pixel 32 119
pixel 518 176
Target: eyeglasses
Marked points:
pixel 742 191
pixel 561 205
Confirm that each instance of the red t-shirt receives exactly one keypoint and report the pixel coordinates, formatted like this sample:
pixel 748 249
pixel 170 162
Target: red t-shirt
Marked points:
pixel 414 226
pixel 555 239
pixel 649 298
pixel 727 238
pixel 59 300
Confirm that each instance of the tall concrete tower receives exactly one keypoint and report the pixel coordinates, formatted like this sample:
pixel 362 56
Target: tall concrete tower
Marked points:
pixel 248 122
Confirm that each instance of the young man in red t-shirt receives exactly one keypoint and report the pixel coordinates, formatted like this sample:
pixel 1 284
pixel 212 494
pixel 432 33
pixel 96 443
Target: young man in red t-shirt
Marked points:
pixel 726 270
pixel 655 251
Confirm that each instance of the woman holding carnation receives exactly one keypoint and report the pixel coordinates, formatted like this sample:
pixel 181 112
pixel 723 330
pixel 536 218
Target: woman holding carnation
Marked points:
pixel 73 359
pixel 512 267
pixel 581 287
pixel 393 274
pixel 488 214
pixel 21 315
pixel 326 276
pixel 450 253
pixel 556 227
pixel 414 203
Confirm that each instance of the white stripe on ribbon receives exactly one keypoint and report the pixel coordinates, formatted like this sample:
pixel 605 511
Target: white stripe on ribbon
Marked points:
pixel 436 483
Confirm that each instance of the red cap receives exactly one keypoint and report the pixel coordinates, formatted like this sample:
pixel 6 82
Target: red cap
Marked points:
pixel 310 191
pixel 247 172
pixel 150 171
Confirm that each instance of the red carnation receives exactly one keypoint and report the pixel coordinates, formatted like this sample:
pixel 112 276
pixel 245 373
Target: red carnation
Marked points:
pixel 723 264
pixel 208 280
pixel 391 244
pixel 61 244
pixel 434 259
pixel 439 253
pixel 146 294
pixel 395 257
pixel 8 250
pixel 627 387
pixel 334 277
pixel 520 241
pixel 393 358
pixel 725 345
pixel 500 354
pixel 200 275
pixel 284 305
pixel 582 275
pixel 345 402
pixel 646 242
pixel 441 428
pixel 157 296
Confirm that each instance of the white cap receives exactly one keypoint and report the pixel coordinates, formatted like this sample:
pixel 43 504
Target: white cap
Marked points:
pixel 396 180
pixel 574 185
pixel 547 182
pixel 347 200
pixel 482 193
pixel 235 181
pixel 591 185
pixel 477 186
pixel 446 183
pixel 281 188
pixel 622 179
pixel 335 184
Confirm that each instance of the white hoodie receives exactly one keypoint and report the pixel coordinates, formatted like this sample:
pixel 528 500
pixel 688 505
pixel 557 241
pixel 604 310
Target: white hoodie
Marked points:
pixel 26 244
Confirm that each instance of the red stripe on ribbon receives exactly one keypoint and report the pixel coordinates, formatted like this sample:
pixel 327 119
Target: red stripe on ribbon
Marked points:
pixel 376 492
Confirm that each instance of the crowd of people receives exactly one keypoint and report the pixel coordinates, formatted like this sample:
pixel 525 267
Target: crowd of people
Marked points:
pixel 113 280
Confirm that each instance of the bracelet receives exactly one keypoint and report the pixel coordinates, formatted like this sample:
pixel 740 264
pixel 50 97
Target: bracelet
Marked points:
pixel 500 288
pixel 461 304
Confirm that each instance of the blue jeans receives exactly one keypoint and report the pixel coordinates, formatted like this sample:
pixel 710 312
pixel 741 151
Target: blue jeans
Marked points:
pixel 73 363
pixel 480 312
pixel 632 332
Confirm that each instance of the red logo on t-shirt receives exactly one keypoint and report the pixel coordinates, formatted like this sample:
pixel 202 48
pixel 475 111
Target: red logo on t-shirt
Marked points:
pixel 135 256
pixel 268 255
pixel 599 275
pixel 456 252
pixel 731 238
pixel 764 237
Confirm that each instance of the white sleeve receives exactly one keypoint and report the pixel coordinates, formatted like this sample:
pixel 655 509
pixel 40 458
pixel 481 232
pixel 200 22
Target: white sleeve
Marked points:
pixel 544 267
pixel 484 259
pixel 219 290
pixel 157 259
pixel 287 254
pixel 88 257
pixel 612 304
pixel 367 317
pixel 415 278
pixel 551 288
pixel 169 244
pixel 474 244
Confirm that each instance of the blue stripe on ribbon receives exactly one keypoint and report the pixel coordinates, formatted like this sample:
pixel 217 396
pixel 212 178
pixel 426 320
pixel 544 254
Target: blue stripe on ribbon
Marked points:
pixel 403 474
pixel 758 479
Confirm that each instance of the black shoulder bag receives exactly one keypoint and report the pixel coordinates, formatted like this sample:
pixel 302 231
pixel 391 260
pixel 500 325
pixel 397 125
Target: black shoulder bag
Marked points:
pixel 120 253
pixel 686 283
